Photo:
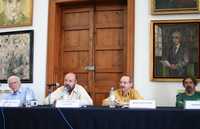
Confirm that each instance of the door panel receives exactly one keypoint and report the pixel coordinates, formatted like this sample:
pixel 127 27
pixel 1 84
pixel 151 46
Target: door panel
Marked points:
pixel 109 18
pixel 109 61
pixel 75 61
pixel 94 36
pixel 109 38
pixel 75 54
pixel 103 81
pixel 76 40
pixel 109 49
pixel 76 18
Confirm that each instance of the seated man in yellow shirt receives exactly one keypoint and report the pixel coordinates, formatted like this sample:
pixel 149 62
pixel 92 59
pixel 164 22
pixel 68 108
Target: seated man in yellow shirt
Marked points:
pixel 125 93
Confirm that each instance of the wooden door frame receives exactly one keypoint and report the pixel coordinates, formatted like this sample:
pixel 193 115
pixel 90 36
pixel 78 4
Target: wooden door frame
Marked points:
pixel 54 31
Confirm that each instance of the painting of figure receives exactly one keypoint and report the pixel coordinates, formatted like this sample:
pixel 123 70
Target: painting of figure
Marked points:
pixel 175 49
pixel 15 13
pixel 16 55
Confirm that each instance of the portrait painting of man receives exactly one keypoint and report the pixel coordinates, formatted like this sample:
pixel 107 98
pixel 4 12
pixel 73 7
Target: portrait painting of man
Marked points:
pixel 15 13
pixel 176 49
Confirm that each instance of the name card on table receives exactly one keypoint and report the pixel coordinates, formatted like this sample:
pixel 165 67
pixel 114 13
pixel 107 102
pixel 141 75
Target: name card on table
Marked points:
pixel 10 103
pixel 68 103
pixel 150 104
pixel 192 104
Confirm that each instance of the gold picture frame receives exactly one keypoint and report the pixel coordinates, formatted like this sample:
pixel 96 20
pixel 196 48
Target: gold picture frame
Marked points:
pixel 174 6
pixel 16 13
pixel 174 49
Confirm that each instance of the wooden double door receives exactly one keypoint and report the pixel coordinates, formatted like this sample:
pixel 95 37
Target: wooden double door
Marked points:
pixel 93 44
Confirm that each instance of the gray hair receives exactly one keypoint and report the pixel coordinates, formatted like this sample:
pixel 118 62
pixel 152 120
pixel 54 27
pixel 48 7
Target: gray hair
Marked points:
pixel 177 33
pixel 14 77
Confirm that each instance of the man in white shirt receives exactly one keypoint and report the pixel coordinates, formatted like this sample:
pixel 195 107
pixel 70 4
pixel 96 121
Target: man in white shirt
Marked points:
pixel 70 90
pixel 18 92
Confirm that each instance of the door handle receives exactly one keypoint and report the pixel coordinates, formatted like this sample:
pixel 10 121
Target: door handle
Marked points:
pixel 90 68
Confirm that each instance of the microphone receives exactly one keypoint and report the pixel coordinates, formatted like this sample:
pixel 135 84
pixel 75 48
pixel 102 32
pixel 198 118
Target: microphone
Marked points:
pixel 54 85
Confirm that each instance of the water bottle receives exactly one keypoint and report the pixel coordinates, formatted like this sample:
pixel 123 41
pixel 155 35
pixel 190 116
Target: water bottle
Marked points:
pixel 112 98
pixel 28 100
pixel 49 99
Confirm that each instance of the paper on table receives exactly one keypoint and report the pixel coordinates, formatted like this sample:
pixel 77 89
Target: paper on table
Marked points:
pixel 165 63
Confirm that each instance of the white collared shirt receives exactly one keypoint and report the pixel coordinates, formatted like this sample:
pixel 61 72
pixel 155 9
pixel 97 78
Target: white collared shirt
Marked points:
pixel 177 48
pixel 78 93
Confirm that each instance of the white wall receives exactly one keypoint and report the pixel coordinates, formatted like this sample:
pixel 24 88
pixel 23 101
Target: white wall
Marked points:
pixel 40 21
pixel 163 93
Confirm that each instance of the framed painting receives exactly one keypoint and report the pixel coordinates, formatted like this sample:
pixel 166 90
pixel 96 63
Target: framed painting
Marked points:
pixel 16 55
pixel 174 49
pixel 14 13
pixel 174 6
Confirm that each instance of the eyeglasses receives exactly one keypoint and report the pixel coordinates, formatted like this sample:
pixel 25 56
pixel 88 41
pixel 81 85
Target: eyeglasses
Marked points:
pixel 10 83
pixel 125 83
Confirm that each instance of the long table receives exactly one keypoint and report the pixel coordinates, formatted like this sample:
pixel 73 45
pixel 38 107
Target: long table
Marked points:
pixel 98 118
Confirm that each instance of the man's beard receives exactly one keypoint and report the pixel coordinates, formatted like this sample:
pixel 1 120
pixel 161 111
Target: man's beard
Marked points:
pixel 69 88
pixel 189 89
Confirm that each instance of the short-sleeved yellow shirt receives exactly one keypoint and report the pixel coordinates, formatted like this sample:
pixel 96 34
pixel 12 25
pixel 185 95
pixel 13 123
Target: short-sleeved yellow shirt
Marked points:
pixel 123 99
